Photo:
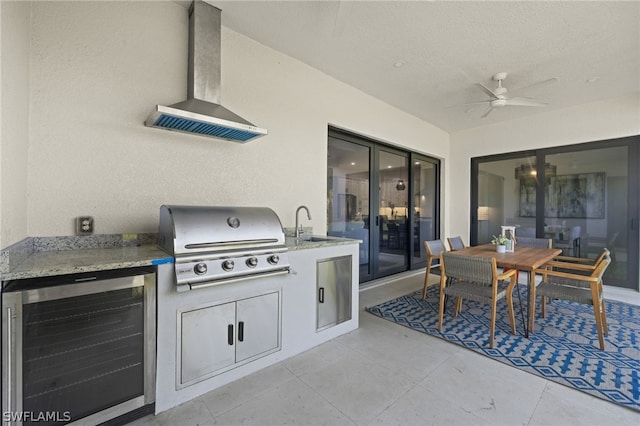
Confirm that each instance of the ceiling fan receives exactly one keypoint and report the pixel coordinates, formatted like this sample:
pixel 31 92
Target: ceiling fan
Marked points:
pixel 499 99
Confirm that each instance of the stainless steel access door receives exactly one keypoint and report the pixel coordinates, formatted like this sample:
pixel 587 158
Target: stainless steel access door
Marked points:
pixel 216 338
pixel 333 291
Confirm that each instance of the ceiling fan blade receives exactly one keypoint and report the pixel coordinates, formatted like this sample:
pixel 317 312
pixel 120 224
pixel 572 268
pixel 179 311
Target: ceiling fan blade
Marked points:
pixel 488 91
pixel 469 104
pixel 487 113
pixel 526 102
pixel 539 83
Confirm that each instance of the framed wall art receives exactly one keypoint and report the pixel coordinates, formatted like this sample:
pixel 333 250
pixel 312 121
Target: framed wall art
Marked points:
pixel 579 196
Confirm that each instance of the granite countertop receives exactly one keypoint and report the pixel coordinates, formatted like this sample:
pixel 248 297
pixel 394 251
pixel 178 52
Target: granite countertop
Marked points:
pixel 49 263
pixel 41 257
pixel 49 256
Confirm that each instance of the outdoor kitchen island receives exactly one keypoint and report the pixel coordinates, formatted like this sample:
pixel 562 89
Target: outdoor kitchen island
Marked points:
pixel 285 308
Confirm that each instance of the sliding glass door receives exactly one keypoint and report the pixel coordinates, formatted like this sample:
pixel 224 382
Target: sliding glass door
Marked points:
pixel 586 200
pixel 392 254
pixel 426 196
pixel 503 198
pixel 587 207
pixel 385 197
pixel 348 196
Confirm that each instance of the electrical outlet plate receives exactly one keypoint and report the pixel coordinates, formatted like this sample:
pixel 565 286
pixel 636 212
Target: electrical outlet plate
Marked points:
pixel 84 225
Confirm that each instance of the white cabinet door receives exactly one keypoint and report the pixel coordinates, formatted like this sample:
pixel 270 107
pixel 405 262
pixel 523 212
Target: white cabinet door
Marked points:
pixel 206 345
pixel 258 320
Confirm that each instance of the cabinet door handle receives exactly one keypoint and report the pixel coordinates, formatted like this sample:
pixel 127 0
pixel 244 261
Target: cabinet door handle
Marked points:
pixel 321 295
pixel 230 334
pixel 241 331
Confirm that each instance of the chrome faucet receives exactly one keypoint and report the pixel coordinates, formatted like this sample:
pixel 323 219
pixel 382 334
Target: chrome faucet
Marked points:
pixel 298 226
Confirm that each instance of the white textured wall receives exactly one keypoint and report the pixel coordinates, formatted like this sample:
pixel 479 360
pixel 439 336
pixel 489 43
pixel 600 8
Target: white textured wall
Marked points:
pixel 14 120
pixel 98 68
pixel 611 119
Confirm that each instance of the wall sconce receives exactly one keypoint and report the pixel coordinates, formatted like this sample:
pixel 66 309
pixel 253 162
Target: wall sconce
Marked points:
pixel 483 213
pixel 526 171
pixel 400 186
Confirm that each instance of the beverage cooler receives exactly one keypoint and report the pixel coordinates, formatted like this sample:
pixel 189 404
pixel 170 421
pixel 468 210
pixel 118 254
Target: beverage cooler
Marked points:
pixel 78 347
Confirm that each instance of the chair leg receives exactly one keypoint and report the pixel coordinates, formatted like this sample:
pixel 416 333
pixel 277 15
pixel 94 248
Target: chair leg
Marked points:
pixel 532 303
pixel 441 310
pixel 492 329
pixel 458 306
pixel 596 309
pixel 603 312
pixel 442 296
pixel 512 317
pixel 597 306
pixel 426 283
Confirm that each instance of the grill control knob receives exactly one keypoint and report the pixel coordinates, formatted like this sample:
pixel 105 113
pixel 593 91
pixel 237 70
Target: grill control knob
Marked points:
pixel 273 259
pixel 252 262
pixel 200 268
pixel 228 265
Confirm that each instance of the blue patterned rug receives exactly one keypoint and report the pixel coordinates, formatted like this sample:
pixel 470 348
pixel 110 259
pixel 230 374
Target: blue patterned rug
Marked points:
pixel 563 348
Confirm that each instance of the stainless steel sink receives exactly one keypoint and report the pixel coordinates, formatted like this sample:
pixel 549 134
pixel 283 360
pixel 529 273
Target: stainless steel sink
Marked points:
pixel 312 239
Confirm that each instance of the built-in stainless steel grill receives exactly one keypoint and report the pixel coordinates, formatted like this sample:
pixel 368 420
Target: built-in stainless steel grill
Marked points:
pixel 219 245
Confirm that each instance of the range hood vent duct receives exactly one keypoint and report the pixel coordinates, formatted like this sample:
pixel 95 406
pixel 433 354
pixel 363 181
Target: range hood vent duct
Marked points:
pixel 202 113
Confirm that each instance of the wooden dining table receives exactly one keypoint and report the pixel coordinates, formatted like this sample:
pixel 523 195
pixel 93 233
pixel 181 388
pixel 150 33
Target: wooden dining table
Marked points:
pixel 524 259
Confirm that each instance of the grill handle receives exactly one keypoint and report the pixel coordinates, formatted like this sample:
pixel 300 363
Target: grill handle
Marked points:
pixel 195 286
pixel 226 244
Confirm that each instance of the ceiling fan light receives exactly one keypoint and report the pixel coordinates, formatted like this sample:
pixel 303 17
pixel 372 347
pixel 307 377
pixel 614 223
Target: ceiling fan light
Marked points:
pixel 500 91
pixel 498 103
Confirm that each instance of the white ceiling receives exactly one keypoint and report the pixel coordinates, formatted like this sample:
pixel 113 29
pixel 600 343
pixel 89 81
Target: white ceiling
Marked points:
pixel 445 47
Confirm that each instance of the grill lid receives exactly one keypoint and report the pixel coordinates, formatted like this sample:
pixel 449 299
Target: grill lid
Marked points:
pixel 186 230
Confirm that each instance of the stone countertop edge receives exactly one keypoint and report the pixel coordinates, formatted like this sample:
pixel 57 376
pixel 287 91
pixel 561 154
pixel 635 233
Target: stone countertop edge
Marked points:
pixel 49 256
pixel 293 244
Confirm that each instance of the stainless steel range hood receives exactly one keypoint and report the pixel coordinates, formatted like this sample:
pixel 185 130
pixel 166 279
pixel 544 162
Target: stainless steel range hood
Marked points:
pixel 202 113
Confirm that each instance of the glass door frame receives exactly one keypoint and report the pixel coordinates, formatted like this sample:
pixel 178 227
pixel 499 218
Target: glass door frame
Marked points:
pixel 413 158
pixel 633 165
pixel 374 201
pixel 376 170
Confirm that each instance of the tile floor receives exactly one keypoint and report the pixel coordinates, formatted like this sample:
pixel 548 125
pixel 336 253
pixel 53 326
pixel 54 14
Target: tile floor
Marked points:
pixel 385 374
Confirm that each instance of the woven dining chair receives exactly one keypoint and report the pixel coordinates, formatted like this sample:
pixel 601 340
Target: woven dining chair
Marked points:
pixel 579 288
pixel 534 242
pixel 434 248
pixel 456 243
pixel 475 278
pixel 577 264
